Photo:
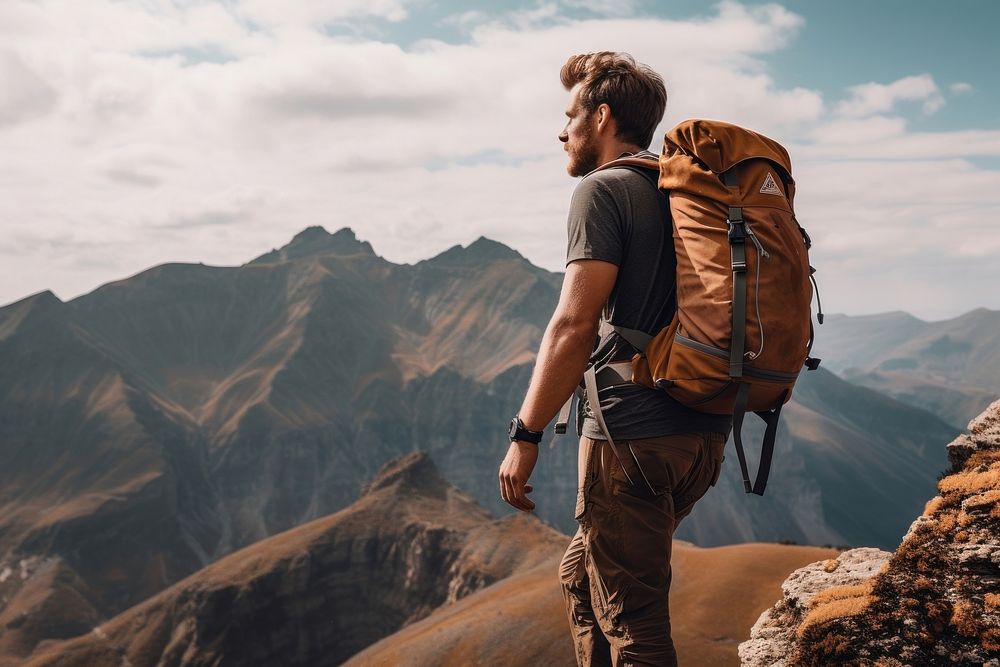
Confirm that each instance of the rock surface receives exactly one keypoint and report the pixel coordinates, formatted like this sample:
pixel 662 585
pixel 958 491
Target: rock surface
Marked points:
pixel 772 637
pixel 935 601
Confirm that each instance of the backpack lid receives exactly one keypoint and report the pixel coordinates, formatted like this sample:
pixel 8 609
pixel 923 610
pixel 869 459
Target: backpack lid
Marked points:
pixel 719 146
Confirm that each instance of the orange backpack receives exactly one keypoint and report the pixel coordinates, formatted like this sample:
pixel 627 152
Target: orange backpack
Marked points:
pixel 743 326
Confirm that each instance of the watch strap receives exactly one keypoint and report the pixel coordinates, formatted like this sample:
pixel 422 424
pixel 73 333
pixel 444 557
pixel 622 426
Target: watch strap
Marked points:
pixel 518 431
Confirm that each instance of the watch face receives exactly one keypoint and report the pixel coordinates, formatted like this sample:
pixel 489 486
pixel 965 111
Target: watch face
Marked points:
pixel 512 429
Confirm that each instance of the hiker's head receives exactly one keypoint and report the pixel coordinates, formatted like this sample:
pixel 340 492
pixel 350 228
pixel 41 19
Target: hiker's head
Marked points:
pixel 613 100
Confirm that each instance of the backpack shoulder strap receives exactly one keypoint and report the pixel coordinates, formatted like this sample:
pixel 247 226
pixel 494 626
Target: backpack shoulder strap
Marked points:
pixel 648 168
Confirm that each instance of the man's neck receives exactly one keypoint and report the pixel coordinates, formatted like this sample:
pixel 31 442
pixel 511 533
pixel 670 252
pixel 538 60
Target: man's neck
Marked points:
pixel 615 150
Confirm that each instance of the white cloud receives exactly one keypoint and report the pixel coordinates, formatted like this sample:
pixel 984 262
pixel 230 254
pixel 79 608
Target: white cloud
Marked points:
pixel 961 88
pixel 134 149
pixel 875 98
pixel 24 94
pixel 320 12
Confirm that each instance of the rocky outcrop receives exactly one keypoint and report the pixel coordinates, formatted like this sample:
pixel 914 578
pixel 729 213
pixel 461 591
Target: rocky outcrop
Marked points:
pixel 935 601
pixel 772 638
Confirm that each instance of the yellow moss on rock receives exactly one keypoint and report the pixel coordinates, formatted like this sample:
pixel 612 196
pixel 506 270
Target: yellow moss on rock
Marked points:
pixel 835 603
pixel 946 523
pixel 991 640
pixel 982 500
pixel 965 619
pixel 933 505
pixel 969 483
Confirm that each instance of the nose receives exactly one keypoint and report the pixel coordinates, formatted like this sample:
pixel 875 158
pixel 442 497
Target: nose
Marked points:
pixel 564 136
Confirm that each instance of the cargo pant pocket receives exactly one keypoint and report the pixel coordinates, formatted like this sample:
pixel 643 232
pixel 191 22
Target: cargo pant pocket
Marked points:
pixel 717 447
pixel 585 476
pixel 654 468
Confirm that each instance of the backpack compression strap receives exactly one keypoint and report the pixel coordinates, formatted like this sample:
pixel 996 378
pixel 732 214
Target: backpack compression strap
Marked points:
pixel 590 386
pixel 738 255
pixel 562 421
pixel 770 418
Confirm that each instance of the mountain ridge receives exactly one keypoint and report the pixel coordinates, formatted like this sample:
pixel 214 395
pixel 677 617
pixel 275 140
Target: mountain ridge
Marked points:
pixel 254 605
pixel 164 421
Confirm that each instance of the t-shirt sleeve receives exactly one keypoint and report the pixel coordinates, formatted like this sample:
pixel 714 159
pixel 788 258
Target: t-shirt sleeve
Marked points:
pixel 594 228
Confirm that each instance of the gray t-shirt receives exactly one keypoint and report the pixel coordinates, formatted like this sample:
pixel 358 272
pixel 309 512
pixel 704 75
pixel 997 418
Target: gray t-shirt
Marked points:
pixel 617 215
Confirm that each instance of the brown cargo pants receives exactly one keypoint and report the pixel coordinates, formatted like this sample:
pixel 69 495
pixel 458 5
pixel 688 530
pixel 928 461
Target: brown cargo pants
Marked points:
pixel 616 572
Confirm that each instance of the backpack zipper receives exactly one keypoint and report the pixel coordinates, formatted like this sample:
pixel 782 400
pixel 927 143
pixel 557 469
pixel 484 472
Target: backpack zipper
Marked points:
pixel 721 354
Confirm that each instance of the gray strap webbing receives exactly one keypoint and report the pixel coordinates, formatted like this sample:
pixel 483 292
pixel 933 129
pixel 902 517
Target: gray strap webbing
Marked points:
pixel 563 419
pixel 739 411
pixel 770 418
pixel 590 385
pixel 637 339
pixel 614 374
pixel 567 409
pixel 738 253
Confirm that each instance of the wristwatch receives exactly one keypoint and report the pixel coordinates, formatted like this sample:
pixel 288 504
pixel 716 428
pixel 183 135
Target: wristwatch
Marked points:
pixel 517 431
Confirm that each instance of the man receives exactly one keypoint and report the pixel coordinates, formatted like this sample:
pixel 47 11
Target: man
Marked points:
pixel 620 263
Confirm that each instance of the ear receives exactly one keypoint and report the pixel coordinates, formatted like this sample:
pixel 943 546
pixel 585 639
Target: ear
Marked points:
pixel 604 117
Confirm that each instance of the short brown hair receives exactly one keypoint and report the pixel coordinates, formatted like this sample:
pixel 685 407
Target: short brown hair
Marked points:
pixel 634 92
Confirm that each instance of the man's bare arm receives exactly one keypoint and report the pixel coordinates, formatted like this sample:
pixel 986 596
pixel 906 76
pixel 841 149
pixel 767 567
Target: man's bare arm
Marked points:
pixel 562 359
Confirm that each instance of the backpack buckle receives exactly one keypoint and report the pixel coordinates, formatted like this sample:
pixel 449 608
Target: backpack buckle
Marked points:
pixel 737 231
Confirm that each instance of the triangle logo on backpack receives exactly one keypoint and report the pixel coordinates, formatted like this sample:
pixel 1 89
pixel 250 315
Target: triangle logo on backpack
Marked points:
pixel 770 187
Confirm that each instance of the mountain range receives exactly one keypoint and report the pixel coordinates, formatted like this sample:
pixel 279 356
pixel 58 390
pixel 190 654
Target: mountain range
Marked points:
pixel 165 421
pixel 949 367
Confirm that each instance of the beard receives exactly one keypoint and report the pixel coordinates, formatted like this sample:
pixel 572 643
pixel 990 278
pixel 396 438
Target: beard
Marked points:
pixel 583 153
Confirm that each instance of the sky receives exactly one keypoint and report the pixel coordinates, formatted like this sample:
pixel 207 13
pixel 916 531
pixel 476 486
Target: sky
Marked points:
pixel 135 133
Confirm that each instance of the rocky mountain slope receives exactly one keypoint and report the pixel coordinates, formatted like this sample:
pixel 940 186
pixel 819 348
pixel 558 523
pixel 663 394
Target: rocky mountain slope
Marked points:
pixel 416 564
pixel 715 595
pixel 949 367
pixel 320 592
pixel 934 601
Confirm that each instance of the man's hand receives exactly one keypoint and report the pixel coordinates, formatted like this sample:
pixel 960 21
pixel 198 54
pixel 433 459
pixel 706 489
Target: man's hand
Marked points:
pixel 514 473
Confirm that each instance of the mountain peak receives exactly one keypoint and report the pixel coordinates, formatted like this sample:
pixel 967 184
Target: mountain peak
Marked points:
pixel 315 241
pixel 43 298
pixel 413 472
pixel 485 247
pixel 481 250
pixel 36 308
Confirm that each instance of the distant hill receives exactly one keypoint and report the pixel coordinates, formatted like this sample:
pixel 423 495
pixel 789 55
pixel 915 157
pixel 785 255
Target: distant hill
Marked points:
pixel 950 368
pixel 164 421
pixel 412 547
pixel 521 620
